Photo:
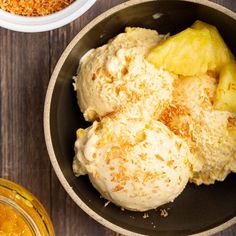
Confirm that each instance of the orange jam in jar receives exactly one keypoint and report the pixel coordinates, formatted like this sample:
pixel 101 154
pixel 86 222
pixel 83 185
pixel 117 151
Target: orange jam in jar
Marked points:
pixel 21 213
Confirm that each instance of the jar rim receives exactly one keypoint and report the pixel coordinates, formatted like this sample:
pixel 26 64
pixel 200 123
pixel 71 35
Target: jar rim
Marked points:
pixel 27 206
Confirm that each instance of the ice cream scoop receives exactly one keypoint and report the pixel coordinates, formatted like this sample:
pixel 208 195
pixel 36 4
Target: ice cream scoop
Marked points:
pixel 117 75
pixel 211 134
pixel 138 164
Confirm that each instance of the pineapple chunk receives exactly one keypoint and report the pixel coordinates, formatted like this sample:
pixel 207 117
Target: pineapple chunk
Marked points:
pixel 191 52
pixel 185 53
pixel 226 90
pixel 221 54
pixel 80 133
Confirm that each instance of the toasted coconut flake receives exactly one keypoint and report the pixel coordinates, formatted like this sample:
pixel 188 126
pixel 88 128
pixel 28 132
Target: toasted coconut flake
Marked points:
pixel 117 188
pixel 163 213
pixel 34 7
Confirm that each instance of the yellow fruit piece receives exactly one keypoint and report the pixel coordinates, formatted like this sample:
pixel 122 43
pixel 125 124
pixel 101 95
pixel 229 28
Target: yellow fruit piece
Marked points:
pixel 183 53
pixel 80 133
pixel 191 52
pixel 221 54
pixel 226 90
pixel 232 134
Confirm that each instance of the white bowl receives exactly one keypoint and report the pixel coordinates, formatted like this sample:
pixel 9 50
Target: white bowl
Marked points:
pixel 44 23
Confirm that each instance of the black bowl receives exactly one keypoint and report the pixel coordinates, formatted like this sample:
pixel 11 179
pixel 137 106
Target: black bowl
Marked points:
pixel 205 209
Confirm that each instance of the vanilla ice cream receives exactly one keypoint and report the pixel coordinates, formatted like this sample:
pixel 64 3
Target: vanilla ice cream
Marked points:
pixel 135 163
pixel 117 76
pixel 211 134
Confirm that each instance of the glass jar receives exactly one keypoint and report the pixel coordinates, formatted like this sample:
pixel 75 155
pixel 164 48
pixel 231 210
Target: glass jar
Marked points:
pixel 21 213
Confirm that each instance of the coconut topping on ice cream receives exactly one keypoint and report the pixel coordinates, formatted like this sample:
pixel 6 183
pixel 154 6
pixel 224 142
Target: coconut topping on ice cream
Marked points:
pixel 117 76
pixel 135 163
pixel 211 134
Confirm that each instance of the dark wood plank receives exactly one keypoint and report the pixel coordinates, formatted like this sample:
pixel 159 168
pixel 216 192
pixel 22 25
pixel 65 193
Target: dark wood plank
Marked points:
pixel 230 4
pixel 24 158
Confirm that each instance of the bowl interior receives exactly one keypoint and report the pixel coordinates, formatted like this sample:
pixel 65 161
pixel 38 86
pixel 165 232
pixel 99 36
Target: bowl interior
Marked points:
pixel 197 208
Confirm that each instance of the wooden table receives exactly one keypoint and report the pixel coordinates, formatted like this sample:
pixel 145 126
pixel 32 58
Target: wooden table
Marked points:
pixel 26 63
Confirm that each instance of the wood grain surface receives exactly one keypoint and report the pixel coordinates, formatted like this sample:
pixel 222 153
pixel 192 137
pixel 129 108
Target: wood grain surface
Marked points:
pixel 26 63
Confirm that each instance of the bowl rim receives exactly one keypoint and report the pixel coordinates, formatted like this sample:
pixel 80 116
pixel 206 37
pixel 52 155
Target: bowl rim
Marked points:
pixel 47 106
pixel 33 24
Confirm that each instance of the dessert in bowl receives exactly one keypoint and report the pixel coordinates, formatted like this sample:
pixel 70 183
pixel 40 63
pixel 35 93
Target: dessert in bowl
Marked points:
pixel 63 118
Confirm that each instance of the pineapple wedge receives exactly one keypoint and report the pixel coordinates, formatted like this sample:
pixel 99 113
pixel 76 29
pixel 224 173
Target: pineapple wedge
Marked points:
pixel 221 54
pixel 226 89
pixel 185 53
pixel 191 52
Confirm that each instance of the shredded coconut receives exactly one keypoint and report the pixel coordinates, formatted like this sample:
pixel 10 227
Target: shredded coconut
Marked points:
pixel 34 7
